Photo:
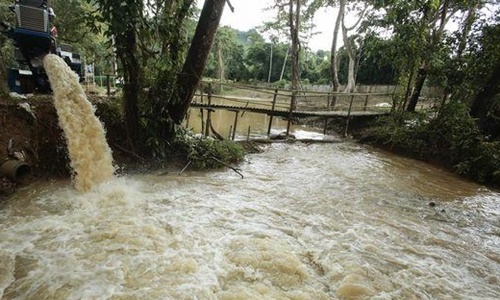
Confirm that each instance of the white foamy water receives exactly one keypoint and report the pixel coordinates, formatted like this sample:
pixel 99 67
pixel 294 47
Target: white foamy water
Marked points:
pixel 90 155
pixel 307 222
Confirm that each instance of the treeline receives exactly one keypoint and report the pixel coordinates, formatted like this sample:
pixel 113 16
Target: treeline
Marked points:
pixel 247 56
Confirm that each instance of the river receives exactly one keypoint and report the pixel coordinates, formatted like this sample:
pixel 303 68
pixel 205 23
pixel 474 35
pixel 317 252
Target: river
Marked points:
pixel 308 221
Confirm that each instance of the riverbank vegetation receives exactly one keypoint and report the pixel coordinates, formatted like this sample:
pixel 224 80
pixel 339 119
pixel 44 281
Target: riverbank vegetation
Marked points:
pixel 449 137
pixel 462 132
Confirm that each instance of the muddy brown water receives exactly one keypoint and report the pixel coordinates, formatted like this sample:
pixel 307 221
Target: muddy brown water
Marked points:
pixel 318 221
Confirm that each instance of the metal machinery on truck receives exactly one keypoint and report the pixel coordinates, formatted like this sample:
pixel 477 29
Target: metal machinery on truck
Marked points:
pixel 34 37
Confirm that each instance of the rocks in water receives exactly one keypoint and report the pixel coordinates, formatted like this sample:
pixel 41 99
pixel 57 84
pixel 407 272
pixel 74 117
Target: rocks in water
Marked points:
pixel 282 136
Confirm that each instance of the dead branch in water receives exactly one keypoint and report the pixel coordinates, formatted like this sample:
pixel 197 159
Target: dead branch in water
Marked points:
pixel 185 167
pixel 215 133
pixel 237 170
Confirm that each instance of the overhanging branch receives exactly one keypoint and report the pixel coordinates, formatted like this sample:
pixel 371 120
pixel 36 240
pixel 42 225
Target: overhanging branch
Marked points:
pixel 231 7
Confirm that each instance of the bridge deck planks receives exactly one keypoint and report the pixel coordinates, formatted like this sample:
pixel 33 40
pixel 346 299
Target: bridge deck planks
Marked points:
pixel 286 113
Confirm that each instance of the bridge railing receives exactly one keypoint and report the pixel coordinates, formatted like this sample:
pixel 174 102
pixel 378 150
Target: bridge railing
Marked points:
pixel 285 103
pixel 238 95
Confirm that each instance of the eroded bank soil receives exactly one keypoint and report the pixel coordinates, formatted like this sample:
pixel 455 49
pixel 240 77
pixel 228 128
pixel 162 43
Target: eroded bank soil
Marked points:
pixel 30 126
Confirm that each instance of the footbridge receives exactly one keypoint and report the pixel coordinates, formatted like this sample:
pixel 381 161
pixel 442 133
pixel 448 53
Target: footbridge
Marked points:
pixel 288 104
pixel 287 113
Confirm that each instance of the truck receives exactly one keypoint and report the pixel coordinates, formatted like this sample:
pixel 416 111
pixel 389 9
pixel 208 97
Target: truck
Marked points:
pixel 34 36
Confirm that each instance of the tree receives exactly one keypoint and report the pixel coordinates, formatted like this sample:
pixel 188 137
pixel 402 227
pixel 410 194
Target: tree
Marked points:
pixel 289 13
pixel 151 49
pixel 226 59
pixel 350 47
pixel 349 41
pixel 334 68
pixel 484 78
pixel 419 28
pixel 294 23
pixel 293 17
pixel 116 15
pixel 433 13
pixel 194 65
pixel 257 59
pixel 71 24
pixel 454 70
pixel 376 65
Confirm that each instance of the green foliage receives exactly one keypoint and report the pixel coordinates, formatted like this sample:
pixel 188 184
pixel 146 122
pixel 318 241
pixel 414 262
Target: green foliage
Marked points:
pixel 207 153
pixel 110 110
pixel 229 46
pixel 71 26
pixel 281 84
pixel 403 132
pixel 454 130
pixel 376 66
pixel 450 136
pixel 482 163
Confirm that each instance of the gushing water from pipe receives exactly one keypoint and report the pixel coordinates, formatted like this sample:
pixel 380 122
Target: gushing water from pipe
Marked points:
pixel 91 158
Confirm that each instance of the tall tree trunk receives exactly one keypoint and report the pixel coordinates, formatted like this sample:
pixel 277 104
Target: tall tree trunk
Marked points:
pixel 419 84
pixel 467 26
pixel 351 84
pixel 270 64
pixel 485 98
pixel 284 63
pixel 351 51
pixel 434 40
pixel 334 67
pixel 196 58
pixel 173 47
pixel 294 19
pixel 451 87
pixel 351 75
pixel 351 81
pixel 408 85
pixel 126 49
pixel 221 65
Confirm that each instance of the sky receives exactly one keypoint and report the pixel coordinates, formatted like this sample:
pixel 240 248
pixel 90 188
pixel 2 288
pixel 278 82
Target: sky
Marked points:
pixel 250 13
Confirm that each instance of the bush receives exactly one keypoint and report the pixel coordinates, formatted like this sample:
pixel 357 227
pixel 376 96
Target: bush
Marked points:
pixel 451 137
pixel 482 163
pixel 281 84
pixel 207 153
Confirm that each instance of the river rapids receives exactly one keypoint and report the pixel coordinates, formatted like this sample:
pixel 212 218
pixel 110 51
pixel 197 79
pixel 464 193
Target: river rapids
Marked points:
pixel 330 221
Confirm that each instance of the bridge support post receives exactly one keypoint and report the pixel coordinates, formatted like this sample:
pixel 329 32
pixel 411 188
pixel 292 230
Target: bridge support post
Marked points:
pixel 209 110
pixel 348 116
pixel 248 133
pixel 272 113
pixel 236 113
pixel 293 103
pixel 367 98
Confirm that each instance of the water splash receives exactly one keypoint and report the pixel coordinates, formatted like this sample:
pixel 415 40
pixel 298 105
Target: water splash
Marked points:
pixel 90 155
